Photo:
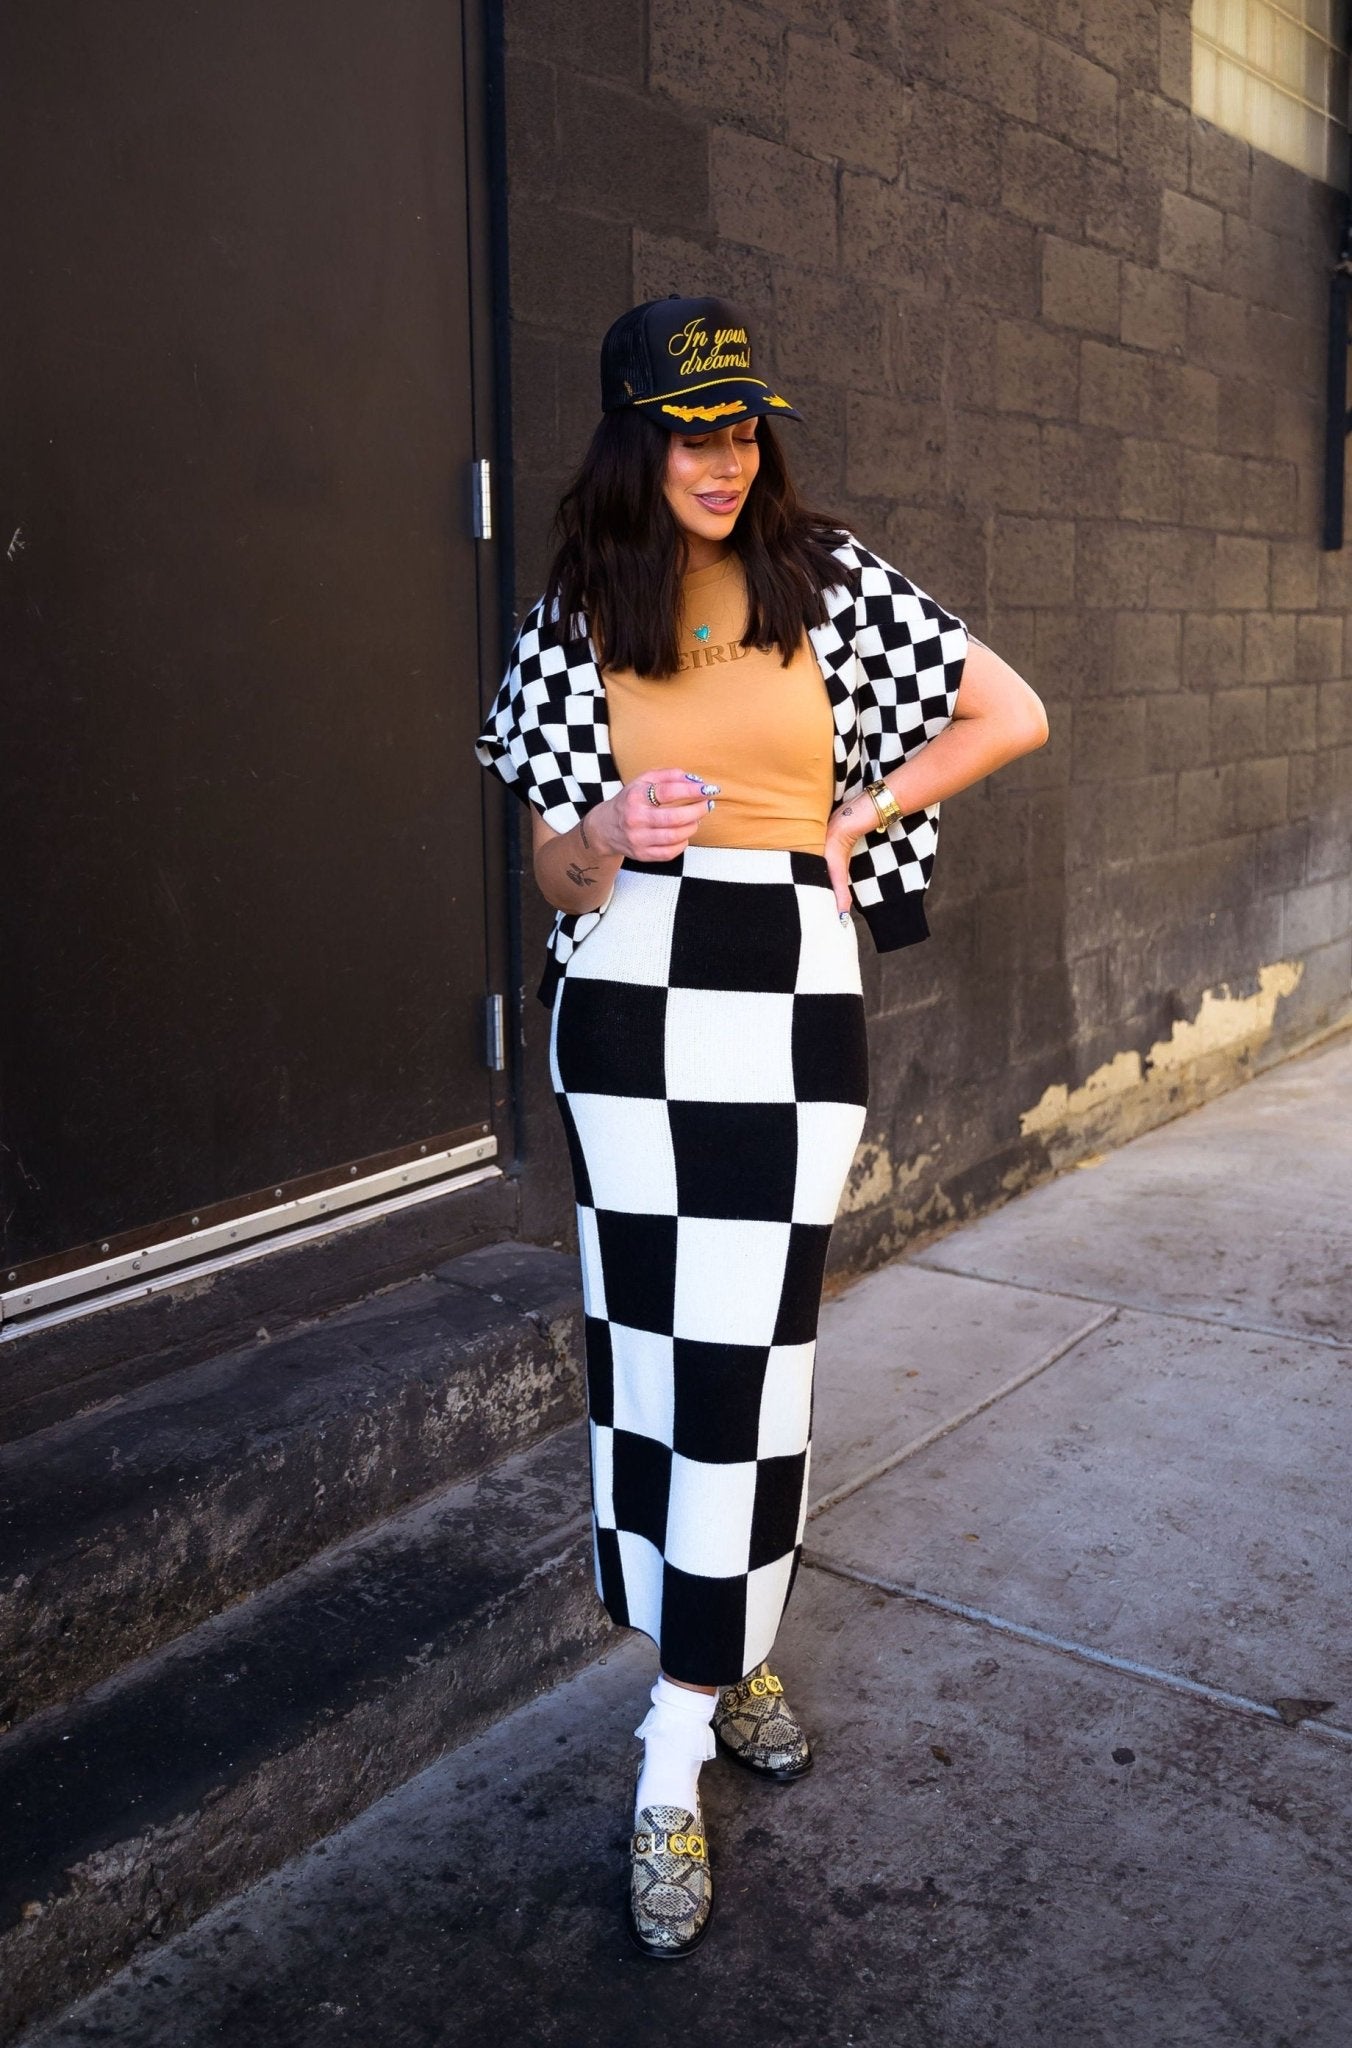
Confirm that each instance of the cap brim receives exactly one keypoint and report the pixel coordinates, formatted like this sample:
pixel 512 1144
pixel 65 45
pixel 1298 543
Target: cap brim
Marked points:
pixel 721 406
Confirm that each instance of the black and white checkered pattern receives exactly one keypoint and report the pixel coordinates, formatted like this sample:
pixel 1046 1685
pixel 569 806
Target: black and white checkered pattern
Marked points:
pixel 892 660
pixel 709 1057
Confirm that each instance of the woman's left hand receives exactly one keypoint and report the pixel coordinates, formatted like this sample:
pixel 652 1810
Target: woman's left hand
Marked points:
pixel 846 825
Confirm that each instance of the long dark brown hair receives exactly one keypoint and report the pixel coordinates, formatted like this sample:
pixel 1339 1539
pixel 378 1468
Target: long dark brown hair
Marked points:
pixel 621 553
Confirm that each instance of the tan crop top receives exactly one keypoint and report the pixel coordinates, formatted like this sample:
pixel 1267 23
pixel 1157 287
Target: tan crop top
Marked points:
pixel 734 716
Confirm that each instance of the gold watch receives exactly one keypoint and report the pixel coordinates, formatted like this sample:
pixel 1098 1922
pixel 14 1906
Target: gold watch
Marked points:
pixel 884 803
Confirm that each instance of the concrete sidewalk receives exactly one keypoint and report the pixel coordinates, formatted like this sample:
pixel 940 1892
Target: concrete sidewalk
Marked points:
pixel 1074 1636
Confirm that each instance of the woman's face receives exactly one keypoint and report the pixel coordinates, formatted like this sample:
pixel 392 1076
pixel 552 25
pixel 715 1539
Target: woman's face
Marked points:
pixel 708 478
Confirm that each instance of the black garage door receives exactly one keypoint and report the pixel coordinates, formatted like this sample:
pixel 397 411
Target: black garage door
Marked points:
pixel 242 892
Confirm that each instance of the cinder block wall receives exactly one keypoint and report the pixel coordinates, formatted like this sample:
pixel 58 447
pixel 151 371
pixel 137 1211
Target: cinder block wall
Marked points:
pixel 1060 346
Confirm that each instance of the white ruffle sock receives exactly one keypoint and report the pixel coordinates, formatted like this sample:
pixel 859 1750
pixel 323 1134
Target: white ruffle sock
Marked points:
pixel 677 1739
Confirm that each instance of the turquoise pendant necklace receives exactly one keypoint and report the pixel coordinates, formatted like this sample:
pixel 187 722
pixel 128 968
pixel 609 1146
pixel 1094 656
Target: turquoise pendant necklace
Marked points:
pixel 701 633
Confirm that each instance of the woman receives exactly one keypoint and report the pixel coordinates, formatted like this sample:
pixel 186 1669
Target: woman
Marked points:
pixel 733 723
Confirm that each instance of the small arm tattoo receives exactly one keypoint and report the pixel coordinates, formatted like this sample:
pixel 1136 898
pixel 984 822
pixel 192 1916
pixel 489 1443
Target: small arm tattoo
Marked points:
pixel 582 878
pixel 582 828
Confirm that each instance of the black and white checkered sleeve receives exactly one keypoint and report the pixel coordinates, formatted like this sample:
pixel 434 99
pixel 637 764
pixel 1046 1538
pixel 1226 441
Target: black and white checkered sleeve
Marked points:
pixel 541 734
pixel 910 653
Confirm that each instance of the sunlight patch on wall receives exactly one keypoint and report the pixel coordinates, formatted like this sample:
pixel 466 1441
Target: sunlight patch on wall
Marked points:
pixel 1274 72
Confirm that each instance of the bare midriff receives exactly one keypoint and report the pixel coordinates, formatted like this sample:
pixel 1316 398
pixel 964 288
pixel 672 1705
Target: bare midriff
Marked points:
pixel 735 716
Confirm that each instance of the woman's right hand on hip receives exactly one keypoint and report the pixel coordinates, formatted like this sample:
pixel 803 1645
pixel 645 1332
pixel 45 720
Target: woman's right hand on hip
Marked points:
pixel 654 817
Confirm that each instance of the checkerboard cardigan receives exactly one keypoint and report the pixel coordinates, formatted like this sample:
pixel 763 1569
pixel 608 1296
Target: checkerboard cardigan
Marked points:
pixel 892 660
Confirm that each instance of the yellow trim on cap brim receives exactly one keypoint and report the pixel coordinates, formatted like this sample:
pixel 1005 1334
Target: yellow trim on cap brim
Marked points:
pixel 705 412
pixel 708 384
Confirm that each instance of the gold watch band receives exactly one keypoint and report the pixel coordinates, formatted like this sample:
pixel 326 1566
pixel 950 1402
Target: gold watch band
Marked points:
pixel 884 803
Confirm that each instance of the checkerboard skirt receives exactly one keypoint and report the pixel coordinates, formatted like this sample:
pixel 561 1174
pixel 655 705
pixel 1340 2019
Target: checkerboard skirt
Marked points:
pixel 709 1058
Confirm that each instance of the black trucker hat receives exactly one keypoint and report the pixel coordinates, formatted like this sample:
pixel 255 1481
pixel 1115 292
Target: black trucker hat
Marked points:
pixel 687 364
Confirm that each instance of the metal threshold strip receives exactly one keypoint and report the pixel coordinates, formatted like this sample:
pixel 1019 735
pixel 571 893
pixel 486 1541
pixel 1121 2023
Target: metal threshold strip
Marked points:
pixel 158 1265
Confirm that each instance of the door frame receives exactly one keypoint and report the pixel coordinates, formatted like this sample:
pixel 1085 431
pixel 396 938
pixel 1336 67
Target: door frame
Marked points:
pixel 484 70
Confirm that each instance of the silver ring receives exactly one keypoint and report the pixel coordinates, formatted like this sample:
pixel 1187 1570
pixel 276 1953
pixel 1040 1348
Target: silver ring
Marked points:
pixel 653 797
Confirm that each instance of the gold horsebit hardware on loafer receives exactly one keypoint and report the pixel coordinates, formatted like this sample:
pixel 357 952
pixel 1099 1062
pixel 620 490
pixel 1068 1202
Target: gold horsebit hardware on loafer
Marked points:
pixel 759 1687
pixel 675 1845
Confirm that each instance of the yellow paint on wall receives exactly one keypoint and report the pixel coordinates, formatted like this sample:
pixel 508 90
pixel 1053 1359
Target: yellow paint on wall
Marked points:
pixel 1198 1051
pixel 1223 1019
pixel 1059 1103
pixel 875 1177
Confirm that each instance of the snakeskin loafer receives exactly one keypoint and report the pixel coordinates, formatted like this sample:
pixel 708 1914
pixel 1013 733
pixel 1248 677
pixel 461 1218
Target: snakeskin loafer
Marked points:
pixel 757 1727
pixel 671 1890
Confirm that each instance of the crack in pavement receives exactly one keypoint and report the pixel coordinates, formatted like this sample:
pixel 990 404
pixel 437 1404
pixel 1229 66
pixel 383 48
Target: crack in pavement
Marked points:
pixel 1025 1632
pixel 1147 1308
pixel 978 1407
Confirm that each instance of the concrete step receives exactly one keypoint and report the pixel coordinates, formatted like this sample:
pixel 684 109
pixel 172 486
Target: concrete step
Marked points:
pixel 121 1528
pixel 50 1372
pixel 129 1812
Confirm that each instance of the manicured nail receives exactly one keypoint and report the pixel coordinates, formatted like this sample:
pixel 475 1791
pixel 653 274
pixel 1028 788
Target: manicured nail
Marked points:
pixel 711 788
pixel 844 916
pixel 711 803
pixel 693 778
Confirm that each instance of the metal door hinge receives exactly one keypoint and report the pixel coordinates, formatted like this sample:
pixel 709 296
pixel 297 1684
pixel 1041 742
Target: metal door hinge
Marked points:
pixel 481 490
pixel 495 1034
